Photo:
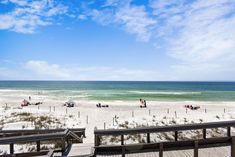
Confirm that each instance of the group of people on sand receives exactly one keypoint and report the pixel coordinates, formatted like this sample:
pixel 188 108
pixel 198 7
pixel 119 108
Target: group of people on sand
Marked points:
pixel 143 103
pixel 192 107
pixel 99 105
pixel 28 102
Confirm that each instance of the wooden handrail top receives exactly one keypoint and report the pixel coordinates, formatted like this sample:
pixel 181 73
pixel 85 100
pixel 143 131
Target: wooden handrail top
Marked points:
pixel 170 128
pixel 40 130
pixel 31 138
pixel 38 137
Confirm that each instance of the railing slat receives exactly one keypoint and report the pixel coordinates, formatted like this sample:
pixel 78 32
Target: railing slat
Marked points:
pixel 97 140
pixel 12 148
pixel 122 139
pixel 233 147
pixel 176 135
pixel 148 137
pixel 63 145
pixel 38 146
pixel 228 131
pixel 195 148
pixel 123 151
pixel 161 150
pixel 204 133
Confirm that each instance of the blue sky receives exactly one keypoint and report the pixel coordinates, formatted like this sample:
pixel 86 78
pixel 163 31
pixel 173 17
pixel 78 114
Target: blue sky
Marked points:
pixel 171 40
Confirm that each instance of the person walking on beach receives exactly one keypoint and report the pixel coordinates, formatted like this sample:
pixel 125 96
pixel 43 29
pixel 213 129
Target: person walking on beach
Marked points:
pixel 145 105
pixel 141 102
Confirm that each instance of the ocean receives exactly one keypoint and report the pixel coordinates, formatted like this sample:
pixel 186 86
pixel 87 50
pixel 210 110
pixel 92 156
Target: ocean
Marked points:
pixel 122 90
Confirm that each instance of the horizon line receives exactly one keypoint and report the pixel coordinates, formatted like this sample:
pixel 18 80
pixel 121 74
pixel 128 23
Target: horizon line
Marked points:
pixel 124 80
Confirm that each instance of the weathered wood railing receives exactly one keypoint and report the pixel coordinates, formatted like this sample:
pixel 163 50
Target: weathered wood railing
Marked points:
pixel 66 137
pixel 167 145
pixel 10 133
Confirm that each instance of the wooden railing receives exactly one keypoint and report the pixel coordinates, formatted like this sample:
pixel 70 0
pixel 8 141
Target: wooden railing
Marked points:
pixel 10 133
pixel 66 138
pixel 167 145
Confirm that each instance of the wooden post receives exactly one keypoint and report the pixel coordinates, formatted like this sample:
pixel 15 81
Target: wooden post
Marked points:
pixel 122 139
pixel 186 110
pixel 54 108
pixel 224 110
pixel 205 110
pixel 94 155
pixel 63 145
pixel 38 146
pixel 123 151
pixel 228 131
pixel 132 113
pixel 12 148
pixel 204 133
pixel 97 140
pixel 195 149
pixel 104 125
pixel 176 135
pixel 78 114
pixel 148 137
pixel 149 112
pixel 87 119
pixel 175 114
pixel 67 140
pixel 161 150
pixel 38 107
pixel 66 110
pixel 233 147
pixel 50 108
pixel 168 110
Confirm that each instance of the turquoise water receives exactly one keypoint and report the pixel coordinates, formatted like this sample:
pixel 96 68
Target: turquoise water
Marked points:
pixel 125 90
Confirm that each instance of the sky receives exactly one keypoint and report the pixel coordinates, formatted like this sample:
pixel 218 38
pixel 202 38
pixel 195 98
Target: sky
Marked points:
pixel 137 40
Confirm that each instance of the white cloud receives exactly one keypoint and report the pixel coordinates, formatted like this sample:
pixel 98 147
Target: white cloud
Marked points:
pixel 192 33
pixel 109 73
pixel 206 33
pixel 6 74
pixel 18 2
pixel 201 31
pixel 132 18
pixel 27 16
pixel 44 70
pixel 202 72
pixel 82 17
pixel 200 35
pixel 136 21
pixel 111 3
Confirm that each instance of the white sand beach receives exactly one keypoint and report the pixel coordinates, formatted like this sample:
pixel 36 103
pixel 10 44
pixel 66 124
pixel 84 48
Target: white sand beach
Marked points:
pixel 130 115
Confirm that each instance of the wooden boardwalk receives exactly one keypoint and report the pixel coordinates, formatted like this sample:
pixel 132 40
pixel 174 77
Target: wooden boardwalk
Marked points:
pixel 208 152
pixel 80 149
